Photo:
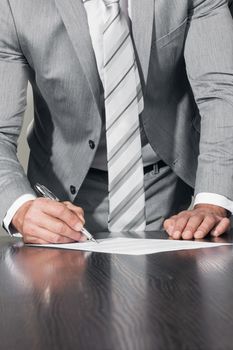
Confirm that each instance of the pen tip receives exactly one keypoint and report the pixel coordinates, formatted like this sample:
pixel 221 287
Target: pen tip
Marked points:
pixel 93 240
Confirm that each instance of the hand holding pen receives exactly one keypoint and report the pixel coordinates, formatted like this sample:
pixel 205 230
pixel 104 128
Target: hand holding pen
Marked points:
pixel 44 221
pixel 46 193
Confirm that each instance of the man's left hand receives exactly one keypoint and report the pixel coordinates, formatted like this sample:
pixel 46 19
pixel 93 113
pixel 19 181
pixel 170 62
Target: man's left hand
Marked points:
pixel 198 222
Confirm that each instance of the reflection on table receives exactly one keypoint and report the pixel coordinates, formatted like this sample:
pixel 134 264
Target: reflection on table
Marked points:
pixel 55 299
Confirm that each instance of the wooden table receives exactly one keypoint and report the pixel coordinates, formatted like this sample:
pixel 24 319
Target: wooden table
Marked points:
pixel 57 299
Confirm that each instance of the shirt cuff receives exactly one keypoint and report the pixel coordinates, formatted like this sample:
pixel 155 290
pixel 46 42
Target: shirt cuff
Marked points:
pixel 214 199
pixel 11 212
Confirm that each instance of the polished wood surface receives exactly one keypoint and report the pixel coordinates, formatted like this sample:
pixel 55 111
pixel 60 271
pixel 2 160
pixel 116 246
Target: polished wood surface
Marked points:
pixel 57 299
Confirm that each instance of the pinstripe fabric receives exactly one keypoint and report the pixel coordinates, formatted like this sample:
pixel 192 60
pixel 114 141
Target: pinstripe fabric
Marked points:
pixel 123 104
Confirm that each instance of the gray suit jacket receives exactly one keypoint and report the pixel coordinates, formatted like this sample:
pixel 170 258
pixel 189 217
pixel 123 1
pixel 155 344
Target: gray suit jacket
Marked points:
pixel 185 53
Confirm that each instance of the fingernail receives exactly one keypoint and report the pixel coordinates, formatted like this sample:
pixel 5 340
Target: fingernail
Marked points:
pixel 187 234
pixel 83 238
pixel 176 234
pixel 215 233
pixel 170 230
pixel 198 234
pixel 81 218
pixel 78 227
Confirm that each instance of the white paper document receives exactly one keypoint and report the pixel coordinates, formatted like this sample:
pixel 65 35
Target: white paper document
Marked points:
pixel 134 246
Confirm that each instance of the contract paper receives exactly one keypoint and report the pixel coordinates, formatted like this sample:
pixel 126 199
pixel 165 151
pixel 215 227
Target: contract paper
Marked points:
pixel 133 246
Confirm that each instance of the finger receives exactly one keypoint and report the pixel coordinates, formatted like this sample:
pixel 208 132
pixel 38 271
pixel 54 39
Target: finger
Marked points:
pixel 54 217
pixel 83 238
pixel 222 227
pixel 39 234
pixel 60 211
pixel 192 226
pixel 77 210
pixel 57 226
pixel 169 224
pixel 206 226
pixel 34 240
pixel 180 224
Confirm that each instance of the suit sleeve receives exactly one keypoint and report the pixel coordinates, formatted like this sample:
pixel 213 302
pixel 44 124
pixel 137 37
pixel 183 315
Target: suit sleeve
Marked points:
pixel 209 65
pixel 13 87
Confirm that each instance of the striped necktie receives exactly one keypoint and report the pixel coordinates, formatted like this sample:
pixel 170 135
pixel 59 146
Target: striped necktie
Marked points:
pixel 123 104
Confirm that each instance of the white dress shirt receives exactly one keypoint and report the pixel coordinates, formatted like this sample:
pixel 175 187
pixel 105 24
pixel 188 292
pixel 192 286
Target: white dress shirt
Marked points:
pixel 94 10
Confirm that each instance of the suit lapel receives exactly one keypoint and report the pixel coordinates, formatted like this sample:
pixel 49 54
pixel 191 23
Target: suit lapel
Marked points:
pixel 142 25
pixel 74 17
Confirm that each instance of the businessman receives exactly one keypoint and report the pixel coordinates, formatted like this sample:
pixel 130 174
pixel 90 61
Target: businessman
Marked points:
pixel 133 113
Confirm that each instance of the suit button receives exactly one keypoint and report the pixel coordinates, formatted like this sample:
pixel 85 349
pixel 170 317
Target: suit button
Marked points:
pixel 91 144
pixel 72 189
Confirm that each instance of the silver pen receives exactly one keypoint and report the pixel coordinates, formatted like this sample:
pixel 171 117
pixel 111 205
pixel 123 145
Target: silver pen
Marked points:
pixel 45 192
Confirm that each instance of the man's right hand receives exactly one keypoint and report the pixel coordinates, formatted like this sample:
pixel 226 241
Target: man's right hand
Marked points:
pixel 46 221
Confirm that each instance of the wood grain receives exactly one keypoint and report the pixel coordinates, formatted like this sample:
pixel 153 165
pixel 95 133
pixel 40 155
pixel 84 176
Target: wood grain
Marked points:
pixel 54 299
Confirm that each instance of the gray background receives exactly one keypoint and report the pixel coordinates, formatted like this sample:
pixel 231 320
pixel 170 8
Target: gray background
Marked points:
pixel 23 149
